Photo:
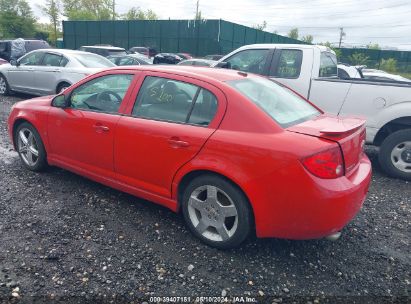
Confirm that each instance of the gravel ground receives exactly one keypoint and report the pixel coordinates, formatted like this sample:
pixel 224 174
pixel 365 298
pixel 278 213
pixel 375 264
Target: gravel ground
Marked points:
pixel 67 238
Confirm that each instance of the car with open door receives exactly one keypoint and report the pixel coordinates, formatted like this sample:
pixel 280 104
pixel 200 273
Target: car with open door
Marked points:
pixel 234 152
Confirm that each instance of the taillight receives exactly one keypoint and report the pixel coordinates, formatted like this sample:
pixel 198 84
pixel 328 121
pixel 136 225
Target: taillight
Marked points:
pixel 326 164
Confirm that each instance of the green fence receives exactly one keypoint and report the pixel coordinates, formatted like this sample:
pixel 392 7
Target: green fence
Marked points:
pixel 197 37
pixel 374 58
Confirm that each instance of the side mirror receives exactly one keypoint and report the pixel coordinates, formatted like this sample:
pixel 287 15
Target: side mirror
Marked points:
pixel 14 62
pixel 224 65
pixel 60 101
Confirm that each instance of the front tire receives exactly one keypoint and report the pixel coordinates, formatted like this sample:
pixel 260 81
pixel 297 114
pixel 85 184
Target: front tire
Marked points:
pixel 216 212
pixel 4 86
pixel 30 147
pixel 395 154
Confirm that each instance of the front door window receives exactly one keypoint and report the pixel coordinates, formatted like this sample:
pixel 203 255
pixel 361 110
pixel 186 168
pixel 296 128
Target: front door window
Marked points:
pixel 103 94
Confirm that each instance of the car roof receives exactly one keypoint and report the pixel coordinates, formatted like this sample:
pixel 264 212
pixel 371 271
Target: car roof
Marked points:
pixel 30 40
pixel 200 60
pixel 322 48
pixel 202 73
pixel 64 51
pixel 112 48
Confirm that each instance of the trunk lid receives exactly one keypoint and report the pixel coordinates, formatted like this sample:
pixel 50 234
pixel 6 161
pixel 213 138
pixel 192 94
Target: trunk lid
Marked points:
pixel 348 132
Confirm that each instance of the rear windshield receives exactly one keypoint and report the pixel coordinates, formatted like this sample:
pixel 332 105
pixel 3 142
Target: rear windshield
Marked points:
pixel 117 52
pixel 93 61
pixel 284 106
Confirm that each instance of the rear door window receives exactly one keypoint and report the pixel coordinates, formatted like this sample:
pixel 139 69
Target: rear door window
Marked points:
pixel 204 109
pixel 286 64
pixel 174 101
pixel 52 60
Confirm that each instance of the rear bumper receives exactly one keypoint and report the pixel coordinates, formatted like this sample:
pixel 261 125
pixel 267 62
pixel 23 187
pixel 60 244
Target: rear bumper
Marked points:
pixel 309 207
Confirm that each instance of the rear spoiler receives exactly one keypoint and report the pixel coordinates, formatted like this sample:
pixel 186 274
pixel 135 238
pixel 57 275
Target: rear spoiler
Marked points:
pixel 343 128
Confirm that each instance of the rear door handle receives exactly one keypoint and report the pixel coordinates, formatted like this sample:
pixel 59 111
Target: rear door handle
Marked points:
pixel 101 128
pixel 176 142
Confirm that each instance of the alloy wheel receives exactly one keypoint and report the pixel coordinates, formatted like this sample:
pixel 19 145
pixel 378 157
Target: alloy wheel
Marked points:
pixel 3 86
pixel 213 213
pixel 27 147
pixel 401 156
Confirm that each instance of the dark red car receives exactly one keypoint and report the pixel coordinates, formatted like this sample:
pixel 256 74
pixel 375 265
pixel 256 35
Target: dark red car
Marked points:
pixel 233 151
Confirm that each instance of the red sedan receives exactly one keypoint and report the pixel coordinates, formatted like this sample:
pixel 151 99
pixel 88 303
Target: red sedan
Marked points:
pixel 235 152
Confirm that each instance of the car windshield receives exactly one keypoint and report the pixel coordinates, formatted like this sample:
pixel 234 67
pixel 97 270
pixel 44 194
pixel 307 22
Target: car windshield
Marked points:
pixel 284 106
pixel 93 61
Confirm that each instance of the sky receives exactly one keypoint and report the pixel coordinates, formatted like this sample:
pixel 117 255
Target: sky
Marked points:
pixel 386 22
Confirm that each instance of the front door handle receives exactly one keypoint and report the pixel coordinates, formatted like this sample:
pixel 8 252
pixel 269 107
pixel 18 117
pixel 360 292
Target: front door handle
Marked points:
pixel 176 142
pixel 101 128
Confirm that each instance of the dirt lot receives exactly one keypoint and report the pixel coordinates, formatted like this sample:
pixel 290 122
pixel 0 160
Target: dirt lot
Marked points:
pixel 63 236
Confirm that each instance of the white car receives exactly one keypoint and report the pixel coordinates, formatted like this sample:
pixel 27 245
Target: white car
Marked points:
pixel 311 71
pixel 348 71
pixel 381 75
pixel 49 71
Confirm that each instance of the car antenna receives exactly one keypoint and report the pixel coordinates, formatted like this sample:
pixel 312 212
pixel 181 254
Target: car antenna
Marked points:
pixel 242 74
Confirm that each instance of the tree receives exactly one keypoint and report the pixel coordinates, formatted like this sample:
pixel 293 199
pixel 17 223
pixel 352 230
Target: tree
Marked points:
pixel 308 39
pixel 16 19
pixel 136 13
pixel 337 51
pixel 88 9
pixel 373 46
pixel 198 16
pixel 358 59
pixel 293 33
pixel 45 31
pixel 52 10
pixel 261 26
pixel 389 65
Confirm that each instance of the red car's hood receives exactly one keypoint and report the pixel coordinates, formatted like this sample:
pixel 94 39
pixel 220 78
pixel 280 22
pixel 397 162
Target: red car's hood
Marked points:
pixel 38 101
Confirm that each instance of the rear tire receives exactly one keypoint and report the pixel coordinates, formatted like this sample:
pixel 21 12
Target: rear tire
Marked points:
pixel 30 147
pixel 4 86
pixel 395 154
pixel 217 212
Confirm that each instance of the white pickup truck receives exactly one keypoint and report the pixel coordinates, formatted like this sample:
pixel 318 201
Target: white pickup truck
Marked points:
pixel 311 71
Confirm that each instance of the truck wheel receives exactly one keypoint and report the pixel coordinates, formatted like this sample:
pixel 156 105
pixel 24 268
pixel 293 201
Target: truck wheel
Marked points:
pixel 395 154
